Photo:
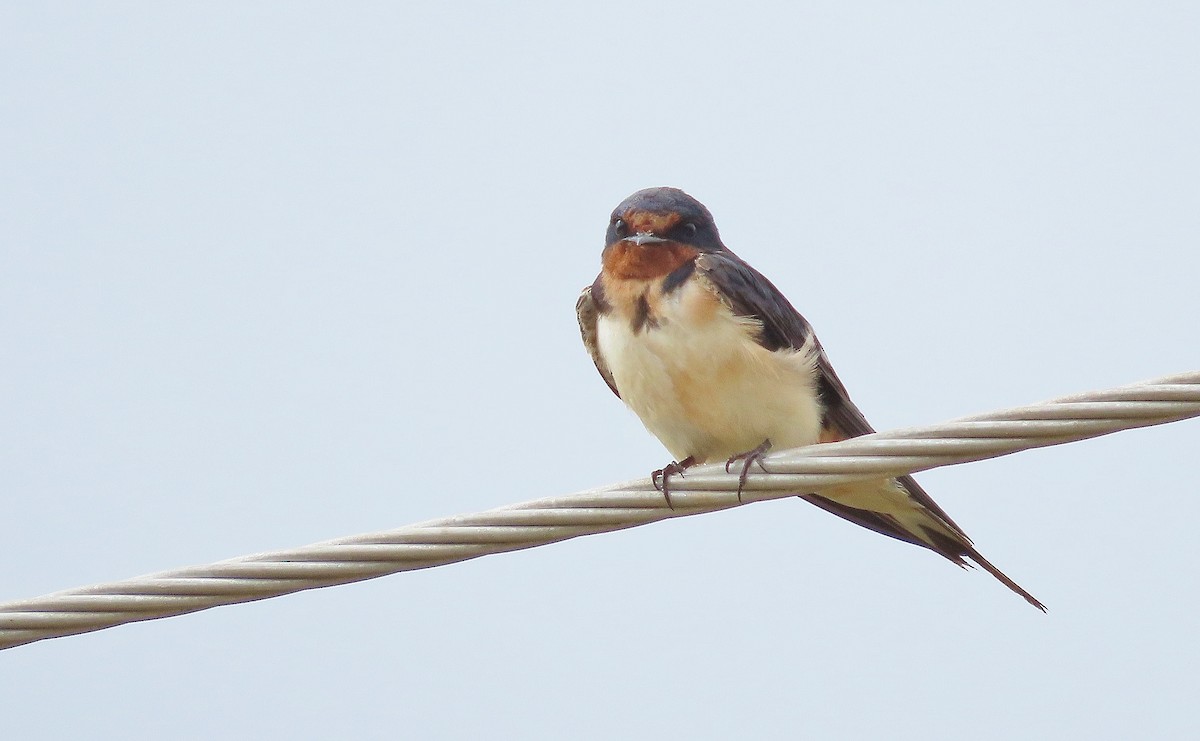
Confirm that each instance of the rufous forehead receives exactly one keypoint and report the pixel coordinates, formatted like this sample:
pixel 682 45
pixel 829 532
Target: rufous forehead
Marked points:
pixel 650 221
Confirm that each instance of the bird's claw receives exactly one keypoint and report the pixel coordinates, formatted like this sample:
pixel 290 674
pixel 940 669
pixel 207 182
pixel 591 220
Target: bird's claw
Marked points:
pixel 752 456
pixel 674 467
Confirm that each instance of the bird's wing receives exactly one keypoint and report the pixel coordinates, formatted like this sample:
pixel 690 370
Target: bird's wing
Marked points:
pixel 748 293
pixel 587 309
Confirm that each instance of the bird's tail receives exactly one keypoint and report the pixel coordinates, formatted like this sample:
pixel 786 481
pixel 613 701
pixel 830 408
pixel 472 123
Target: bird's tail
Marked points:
pixel 958 546
pixel 988 567
pixel 901 509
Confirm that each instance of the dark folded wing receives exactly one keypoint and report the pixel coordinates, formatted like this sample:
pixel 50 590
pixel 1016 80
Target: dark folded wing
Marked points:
pixel 748 293
pixel 588 309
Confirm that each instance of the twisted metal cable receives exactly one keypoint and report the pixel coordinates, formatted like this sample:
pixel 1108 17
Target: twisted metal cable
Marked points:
pixel 528 524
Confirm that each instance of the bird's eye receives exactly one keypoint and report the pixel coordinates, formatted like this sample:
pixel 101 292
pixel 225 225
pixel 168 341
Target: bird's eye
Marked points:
pixel 622 229
pixel 687 229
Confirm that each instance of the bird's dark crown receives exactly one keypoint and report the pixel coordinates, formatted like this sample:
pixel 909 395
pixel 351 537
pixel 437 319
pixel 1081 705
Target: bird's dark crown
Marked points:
pixel 667 213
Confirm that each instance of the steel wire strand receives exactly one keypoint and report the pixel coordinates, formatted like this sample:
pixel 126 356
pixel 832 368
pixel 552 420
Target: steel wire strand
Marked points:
pixel 528 524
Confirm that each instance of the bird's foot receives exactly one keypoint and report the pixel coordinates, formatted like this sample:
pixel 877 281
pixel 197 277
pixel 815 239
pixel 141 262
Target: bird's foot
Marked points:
pixel 674 467
pixel 752 456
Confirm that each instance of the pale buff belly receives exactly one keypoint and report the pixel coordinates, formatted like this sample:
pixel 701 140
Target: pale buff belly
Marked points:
pixel 703 386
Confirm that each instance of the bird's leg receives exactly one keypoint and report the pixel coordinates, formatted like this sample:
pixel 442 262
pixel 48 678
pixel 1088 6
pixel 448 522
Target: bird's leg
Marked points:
pixel 671 468
pixel 752 456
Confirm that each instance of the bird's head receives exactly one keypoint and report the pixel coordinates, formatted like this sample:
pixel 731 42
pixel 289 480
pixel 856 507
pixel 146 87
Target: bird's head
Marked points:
pixel 658 218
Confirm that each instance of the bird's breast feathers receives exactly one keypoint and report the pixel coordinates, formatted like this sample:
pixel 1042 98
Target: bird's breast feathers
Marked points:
pixel 696 375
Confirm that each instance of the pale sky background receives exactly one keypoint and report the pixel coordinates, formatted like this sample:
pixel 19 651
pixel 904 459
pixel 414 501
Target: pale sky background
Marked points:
pixel 274 273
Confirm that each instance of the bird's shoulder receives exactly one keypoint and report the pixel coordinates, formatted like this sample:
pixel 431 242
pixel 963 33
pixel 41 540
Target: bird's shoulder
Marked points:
pixel 751 294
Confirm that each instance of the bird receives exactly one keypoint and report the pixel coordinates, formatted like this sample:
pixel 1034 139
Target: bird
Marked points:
pixel 718 365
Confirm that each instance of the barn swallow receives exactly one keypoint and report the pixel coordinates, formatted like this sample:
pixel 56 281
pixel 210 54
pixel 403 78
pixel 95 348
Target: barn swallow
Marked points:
pixel 720 367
